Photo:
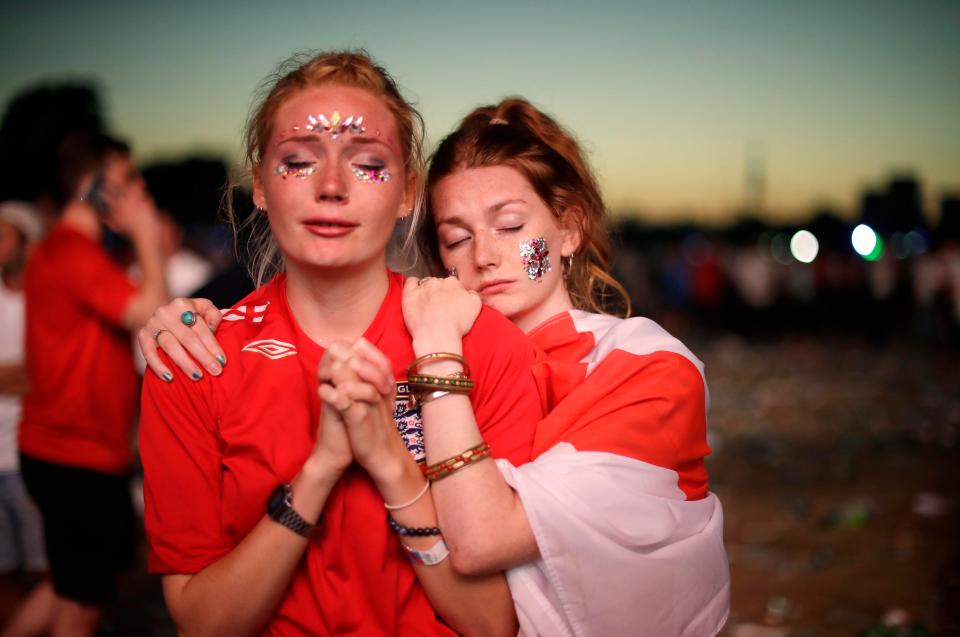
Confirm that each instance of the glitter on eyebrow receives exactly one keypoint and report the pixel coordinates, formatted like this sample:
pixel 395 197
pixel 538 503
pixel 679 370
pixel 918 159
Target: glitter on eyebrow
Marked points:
pixel 286 170
pixel 335 125
pixel 534 256
pixel 372 175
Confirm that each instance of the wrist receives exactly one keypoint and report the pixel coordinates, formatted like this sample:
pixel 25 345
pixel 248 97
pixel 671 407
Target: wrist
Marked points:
pixel 438 341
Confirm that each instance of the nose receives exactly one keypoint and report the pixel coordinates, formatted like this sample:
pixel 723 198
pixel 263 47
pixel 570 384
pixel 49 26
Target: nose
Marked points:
pixel 485 251
pixel 331 185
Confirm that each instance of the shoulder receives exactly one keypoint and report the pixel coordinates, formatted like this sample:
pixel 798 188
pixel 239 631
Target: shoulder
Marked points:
pixel 493 335
pixel 637 337
pixel 260 310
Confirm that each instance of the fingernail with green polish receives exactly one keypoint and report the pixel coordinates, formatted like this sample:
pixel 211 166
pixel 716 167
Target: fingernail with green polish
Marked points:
pixel 221 359
pixel 168 377
pixel 196 375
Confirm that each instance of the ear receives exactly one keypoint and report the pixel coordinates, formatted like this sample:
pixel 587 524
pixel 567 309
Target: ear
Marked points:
pixel 259 199
pixel 571 228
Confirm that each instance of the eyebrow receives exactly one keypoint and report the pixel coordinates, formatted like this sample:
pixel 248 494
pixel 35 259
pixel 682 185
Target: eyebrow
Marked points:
pixel 352 139
pixel 497 207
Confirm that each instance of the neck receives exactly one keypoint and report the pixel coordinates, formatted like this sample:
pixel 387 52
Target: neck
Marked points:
pixel 83 219
pixel 536 316
pixel 335 304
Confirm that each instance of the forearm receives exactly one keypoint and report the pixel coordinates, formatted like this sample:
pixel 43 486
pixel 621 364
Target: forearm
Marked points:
pixel 470 605
pixel 152 292
pixel 239 593
pixel 482 517
pixel 13 379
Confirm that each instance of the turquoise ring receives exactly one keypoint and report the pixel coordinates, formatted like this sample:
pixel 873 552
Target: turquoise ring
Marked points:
pixel 188 318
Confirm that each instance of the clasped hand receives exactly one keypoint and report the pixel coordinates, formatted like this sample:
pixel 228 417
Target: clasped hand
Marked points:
pixel 357 394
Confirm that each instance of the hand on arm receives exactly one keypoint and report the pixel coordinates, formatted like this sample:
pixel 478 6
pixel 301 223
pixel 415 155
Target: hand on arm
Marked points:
pixel 482 517
pixel 361 387
pixel 192 349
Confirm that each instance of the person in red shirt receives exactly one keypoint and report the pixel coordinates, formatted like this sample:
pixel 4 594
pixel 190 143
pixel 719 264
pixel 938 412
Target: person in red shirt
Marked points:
pixel 81 403
pixel 265 493
pixel 611 529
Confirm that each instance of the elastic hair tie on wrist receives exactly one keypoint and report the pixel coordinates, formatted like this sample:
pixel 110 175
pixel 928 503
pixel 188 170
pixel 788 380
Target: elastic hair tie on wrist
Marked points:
pixel 416 498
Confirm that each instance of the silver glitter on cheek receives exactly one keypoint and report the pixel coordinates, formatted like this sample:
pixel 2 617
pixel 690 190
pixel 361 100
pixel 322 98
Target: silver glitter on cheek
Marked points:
pixel 535 257
pixel 371 175
pixel 286 170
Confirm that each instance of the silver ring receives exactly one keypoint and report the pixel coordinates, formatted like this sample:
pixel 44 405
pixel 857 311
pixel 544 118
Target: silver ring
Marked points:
pixel 157 334
pixel 188 318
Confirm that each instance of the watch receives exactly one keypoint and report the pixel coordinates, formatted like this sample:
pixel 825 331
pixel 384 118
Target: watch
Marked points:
pixel 280 509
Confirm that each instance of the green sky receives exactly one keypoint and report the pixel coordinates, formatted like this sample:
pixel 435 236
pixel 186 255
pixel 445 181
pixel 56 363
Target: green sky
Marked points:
pixel 670 99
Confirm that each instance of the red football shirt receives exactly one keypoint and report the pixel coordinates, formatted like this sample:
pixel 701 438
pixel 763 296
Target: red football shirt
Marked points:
pixel 83 387
pixel 213 450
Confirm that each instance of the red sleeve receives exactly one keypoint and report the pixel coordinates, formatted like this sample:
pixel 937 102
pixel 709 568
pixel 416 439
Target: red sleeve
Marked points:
pixel 182 476
pixel 97 282
pixel 505 398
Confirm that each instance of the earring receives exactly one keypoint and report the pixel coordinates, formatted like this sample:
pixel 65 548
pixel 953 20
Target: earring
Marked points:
pixel 567 265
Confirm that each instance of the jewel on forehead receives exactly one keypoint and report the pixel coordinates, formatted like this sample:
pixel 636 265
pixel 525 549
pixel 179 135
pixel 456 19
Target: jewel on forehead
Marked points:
pixel 534 255
pixel 335 125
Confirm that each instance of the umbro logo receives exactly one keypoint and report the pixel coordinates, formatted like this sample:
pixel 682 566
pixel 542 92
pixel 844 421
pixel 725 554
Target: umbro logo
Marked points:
pixel 270 348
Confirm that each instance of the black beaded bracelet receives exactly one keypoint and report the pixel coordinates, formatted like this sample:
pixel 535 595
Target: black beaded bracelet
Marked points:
pixel 415 531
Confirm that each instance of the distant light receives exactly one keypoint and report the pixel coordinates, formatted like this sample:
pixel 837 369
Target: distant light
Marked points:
pixel 916 242
pixel 864 240
pixel 804 246
pixel 780 249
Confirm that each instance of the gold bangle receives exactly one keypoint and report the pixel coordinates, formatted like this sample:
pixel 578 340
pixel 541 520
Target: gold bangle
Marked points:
pixel 438 356
pixel 448 383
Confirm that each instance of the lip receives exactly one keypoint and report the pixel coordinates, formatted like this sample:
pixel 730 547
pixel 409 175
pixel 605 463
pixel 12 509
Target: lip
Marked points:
pixel 330 227
pixel 495 286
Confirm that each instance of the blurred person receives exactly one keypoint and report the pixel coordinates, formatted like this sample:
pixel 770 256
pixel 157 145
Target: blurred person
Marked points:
pixel 238 469
pixel 611 529
pixel 81 402
pixel 21 531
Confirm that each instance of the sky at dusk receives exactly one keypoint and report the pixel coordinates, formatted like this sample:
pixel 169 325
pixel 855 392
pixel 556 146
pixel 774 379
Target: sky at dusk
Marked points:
pixel 671 100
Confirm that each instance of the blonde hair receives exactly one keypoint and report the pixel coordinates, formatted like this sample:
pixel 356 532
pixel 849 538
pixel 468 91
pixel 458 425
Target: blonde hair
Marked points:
pixel 301 71
pixel 515 133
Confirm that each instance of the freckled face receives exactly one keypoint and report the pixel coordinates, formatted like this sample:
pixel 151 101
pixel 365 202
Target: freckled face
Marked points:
pixel 483 215
pixel 332 193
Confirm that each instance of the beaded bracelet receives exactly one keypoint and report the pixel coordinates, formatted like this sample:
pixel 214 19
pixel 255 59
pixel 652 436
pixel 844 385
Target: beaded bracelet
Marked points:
pixel 441 470
pixel 415 531
pixel 438 356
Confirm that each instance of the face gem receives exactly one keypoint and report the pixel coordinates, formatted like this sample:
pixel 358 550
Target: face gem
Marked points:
pixel 300 172
pixel 534 255
pixel 335 125
pixel 453 272
pixel 371 175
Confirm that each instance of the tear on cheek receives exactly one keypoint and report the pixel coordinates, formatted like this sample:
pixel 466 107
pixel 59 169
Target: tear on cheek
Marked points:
pixel 535 258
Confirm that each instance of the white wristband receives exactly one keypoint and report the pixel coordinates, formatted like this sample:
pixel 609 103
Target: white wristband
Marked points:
pixel 436 554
